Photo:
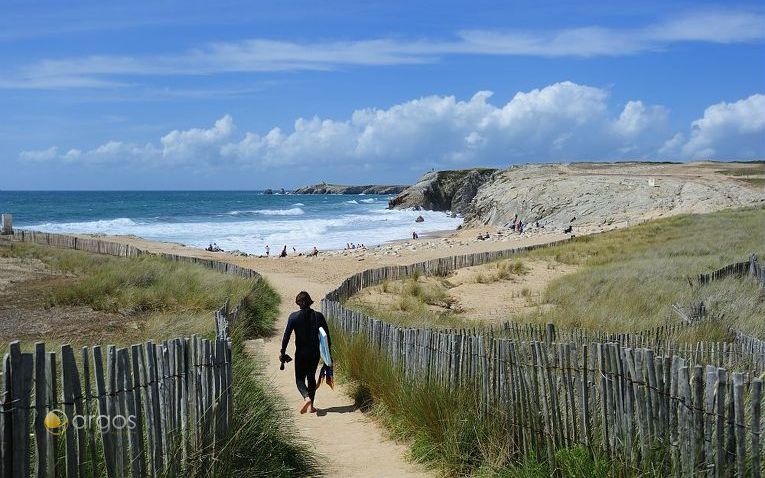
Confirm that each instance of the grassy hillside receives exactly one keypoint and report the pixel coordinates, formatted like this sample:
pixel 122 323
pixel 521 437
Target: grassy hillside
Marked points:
pixel 98 298
pixel 623 280
pixel 165 299
pixel 620 281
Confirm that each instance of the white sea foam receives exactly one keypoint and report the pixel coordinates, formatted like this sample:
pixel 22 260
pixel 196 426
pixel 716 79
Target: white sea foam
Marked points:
pixel 250 232
pixel 367 201
pixel 295 211
pixel 88 227
pixel 352 201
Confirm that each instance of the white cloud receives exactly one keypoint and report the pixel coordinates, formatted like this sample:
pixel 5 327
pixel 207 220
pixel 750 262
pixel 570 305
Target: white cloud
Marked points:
pixel 39 156
pixel 729 130
pixel 561 122
pixel 196 146
pixel 267 55
pixel 196 142
pixel 636 119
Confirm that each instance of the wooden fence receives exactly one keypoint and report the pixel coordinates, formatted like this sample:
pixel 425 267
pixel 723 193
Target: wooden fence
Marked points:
pixel 687 408
pixel 752 267
pixel 135 411
pixel 101 246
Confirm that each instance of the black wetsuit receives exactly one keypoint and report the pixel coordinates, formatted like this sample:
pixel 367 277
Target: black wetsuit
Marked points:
pixel 305 323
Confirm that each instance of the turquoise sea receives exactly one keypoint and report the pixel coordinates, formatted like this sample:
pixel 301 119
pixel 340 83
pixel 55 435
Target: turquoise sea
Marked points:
pixel 243 220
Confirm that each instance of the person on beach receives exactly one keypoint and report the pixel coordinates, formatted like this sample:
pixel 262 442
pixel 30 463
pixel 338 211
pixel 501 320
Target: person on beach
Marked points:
pixel 268 250
pixel 284 252
pixel 305 323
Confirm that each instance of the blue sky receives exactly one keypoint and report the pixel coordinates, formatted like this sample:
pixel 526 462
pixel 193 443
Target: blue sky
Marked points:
pixel 248 95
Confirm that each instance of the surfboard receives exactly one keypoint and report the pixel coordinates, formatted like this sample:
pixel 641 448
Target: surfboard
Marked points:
pixel 324 347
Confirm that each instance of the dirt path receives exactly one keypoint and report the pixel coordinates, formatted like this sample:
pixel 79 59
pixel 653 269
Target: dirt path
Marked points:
pixel 353 444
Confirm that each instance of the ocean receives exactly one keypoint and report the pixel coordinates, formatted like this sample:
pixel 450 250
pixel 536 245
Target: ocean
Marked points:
pixel 241 220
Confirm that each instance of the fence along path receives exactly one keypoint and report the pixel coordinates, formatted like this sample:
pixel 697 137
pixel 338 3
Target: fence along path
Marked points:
pixel 632 397
pixel 100 246
pixel 178 393
pixel 752 268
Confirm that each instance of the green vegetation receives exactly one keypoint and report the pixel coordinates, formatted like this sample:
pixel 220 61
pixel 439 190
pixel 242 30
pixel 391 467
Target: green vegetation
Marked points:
pixel 418 300
pixel 501 271
pixel 445 429
pixel 263 441
pixel 427 300
pixel 629 279
pixel 177 299
pixel 132 285
pixel 161 298
pixel 625 280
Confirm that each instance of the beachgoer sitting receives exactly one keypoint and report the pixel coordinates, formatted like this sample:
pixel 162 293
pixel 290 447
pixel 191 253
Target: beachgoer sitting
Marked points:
pixel 284 252
pixel 315 252
pixel 568 229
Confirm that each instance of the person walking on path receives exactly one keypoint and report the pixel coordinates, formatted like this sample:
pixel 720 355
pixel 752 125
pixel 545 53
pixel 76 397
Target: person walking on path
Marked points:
pixel 305 323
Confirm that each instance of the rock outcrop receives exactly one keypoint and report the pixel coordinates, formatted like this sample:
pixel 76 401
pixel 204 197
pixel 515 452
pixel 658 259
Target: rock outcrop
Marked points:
pixel 443 190
pixel 325 188
pixel 601 194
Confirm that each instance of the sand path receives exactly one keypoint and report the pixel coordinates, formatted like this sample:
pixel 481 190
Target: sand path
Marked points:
pixel 351 443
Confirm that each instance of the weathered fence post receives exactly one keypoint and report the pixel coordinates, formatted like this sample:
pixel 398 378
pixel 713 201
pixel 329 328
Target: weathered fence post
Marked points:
pixel 7 225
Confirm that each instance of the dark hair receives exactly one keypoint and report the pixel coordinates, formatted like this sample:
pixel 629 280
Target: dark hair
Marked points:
pixel 303 300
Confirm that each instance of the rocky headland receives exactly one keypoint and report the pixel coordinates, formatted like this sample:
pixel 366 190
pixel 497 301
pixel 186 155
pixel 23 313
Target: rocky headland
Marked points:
pixel 443 190
pixel 324 188
pixel 587 196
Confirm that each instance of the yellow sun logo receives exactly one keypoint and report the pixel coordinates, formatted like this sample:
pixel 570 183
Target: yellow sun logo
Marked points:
pixel 56 422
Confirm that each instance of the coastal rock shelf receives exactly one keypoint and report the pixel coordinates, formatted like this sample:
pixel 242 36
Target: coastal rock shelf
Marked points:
pixel 443 190
pixel 586 194
pixel 325 188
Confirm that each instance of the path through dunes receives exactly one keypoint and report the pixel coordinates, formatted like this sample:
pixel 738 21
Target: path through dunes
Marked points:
pixel 353 443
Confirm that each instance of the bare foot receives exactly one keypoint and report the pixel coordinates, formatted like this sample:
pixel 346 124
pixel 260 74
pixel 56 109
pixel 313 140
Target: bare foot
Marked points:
pixel 308 404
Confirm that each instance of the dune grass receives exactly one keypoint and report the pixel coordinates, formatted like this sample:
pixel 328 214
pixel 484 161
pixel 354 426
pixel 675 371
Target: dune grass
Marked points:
pixel 132 285
pixel 264 440
pixel 418 300
pixel 163 298
pixel 625 280
pixel 179 300
pixel 444 427
pixel 629 279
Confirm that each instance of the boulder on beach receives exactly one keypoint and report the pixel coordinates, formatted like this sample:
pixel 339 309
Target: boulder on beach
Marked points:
pixel 419 219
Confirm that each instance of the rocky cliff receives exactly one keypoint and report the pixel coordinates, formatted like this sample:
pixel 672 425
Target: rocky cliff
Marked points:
pixel 601 194
pixel 325 188
pixel 443 190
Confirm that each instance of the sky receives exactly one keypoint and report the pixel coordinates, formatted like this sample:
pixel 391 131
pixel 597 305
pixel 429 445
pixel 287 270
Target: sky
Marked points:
pixel 269 94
